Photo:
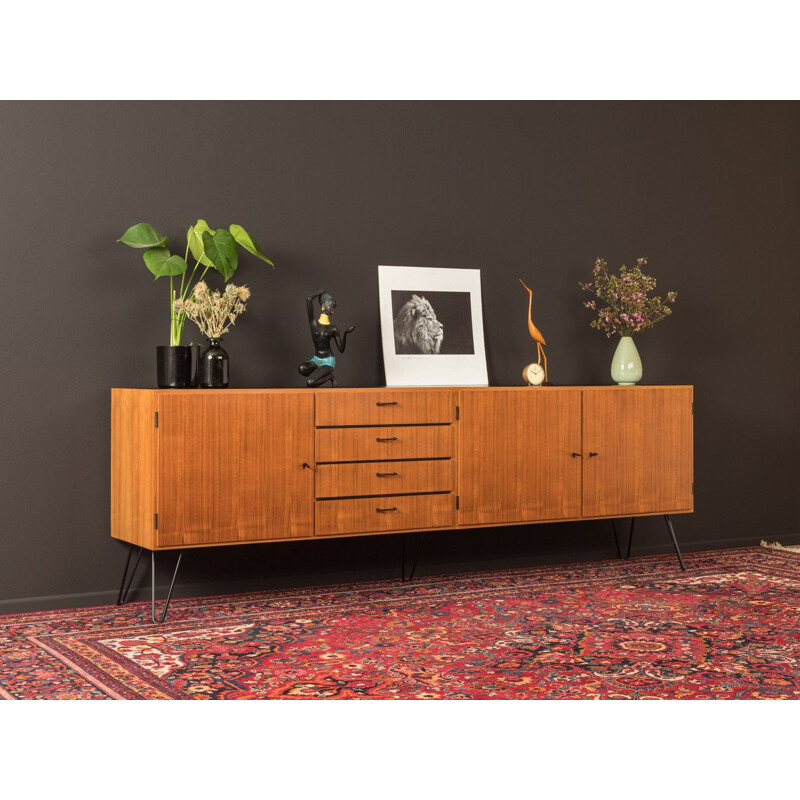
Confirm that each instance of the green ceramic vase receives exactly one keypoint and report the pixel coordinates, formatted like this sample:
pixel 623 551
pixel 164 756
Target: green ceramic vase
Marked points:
pixel 626 366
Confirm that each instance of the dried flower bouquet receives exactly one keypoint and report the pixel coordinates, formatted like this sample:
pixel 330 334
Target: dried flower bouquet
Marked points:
pixel 214 312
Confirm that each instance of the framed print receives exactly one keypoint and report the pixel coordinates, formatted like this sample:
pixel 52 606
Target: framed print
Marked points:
pixel 432 326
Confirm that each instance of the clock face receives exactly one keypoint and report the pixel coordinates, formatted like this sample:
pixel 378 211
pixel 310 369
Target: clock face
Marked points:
pixel 533 374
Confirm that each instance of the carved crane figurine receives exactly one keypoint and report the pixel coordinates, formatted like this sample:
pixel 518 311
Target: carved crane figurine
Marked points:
pixel 535 333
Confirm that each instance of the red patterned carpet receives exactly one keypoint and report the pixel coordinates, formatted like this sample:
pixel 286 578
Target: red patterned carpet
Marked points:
pixel 729 627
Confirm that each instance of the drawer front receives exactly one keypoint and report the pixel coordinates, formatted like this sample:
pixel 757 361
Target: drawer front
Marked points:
pixel 384 407
pixel 384 444
pixel 385 477
pixel 397 513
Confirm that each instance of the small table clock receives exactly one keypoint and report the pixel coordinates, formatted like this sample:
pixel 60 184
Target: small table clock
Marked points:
pixel 533 374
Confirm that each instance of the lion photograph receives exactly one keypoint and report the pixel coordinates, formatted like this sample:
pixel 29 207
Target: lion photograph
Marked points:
pixel 432 323
pixel 416 328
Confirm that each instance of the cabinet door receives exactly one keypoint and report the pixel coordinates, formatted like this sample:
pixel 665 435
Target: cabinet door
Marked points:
pixel 515 461
pixel 643 440
pixel 231 467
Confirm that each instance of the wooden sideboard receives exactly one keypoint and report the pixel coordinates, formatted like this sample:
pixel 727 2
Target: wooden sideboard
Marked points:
pixel 198 468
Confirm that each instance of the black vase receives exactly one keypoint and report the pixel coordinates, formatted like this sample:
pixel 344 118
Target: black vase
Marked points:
pixel 176 366
pixel 214 366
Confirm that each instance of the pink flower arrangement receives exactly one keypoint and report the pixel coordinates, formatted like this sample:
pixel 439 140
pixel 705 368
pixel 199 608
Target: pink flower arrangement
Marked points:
pixel 627 309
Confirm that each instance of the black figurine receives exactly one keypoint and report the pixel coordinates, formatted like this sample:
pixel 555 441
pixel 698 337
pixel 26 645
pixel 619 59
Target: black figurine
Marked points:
pixel 323 330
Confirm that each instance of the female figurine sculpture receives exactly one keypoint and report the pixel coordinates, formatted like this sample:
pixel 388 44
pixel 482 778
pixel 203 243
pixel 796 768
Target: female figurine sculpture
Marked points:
pixel 322 331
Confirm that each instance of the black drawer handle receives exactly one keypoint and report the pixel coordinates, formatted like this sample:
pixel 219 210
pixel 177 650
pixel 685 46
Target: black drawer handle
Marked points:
pixel 592 455
pixel 577 455
pixel 386 510
pixel 392 403
pixel 385 474
pixel 387 439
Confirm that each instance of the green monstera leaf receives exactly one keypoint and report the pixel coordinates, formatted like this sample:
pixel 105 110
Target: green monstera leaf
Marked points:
pixel 142 234
pixel 162 263
pixel 249 243
pixel 194 237
pixel 220 248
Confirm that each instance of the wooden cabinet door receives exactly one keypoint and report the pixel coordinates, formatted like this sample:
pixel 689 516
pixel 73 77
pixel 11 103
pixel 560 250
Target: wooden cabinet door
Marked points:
pixel 643 440
pixel 515 460
pixel 231 467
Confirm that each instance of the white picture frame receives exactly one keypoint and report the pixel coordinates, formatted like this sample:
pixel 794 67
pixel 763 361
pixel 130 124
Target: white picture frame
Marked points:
pixel 411 354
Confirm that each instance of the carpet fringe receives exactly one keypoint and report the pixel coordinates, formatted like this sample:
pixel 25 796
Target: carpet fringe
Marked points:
pixel 795 548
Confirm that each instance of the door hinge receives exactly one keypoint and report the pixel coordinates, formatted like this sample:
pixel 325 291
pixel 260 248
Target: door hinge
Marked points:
pixel 156 419
pixel 458 502
pixel 458 412
pixel 155 521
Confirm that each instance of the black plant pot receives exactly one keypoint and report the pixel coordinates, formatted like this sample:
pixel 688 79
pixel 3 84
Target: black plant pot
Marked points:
pixel 214 366
pixel 176 366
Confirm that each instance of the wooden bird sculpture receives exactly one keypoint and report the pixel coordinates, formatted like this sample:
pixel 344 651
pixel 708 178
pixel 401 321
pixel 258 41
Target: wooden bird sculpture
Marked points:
pixel 535 333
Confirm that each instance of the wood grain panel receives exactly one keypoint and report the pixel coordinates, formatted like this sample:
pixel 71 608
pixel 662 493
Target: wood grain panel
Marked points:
pixel 385 407
pixel 371 444
pixel 231 467
pixel 134 452
pixel 515 455
pixel 385 477
pixel 643 438
pixel 415 512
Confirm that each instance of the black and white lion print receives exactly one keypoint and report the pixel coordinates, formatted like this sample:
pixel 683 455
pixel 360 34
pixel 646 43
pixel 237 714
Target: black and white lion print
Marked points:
pixel 416 329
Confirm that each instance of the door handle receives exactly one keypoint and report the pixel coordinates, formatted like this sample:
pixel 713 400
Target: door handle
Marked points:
pixel 577 455
pixel 592 455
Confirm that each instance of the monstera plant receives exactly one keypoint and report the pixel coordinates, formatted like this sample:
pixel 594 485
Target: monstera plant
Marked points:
pixel 217 249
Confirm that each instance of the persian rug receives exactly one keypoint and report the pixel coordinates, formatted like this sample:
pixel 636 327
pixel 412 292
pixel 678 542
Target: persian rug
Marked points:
pixel 794 548
pixel 728 627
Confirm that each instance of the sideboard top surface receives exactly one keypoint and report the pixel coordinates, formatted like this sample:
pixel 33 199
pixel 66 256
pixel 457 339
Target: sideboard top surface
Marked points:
pixel 348 389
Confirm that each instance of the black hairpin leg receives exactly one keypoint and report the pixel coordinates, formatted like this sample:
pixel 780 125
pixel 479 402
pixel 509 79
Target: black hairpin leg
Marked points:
pixel 671 533
pixel 616 540
pixel 674 540
pixel 153 587
pixel 630 537
pixel 123 589
pixel 416 557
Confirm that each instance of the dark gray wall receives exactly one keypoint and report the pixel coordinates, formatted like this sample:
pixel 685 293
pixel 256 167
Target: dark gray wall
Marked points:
pixel 709 191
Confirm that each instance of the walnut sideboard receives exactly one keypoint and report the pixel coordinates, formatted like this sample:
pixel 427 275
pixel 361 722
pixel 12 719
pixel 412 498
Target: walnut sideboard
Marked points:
pixel 198 468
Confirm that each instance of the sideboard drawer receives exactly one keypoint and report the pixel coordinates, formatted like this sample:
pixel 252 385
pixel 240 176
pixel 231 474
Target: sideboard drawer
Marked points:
pixel 378 514
pixel 383 444
pixel 384 407
pixel 385 477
